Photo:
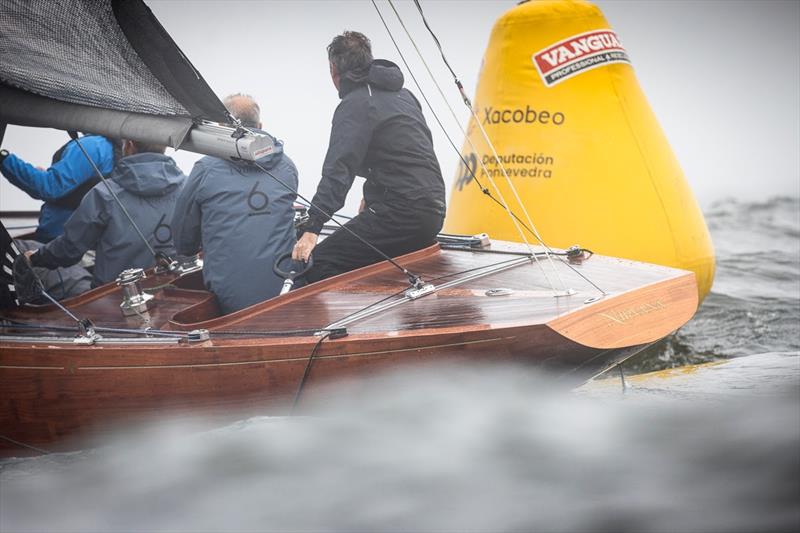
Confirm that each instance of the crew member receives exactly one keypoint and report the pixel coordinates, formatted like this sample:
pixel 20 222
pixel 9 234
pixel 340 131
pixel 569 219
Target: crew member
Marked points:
pixel 147 183
pixel 379 133
pixel 240 217
pixel 63 185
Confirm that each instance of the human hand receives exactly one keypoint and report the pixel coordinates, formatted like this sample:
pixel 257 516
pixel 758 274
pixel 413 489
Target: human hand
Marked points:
pixel 306 243
pixel 29 253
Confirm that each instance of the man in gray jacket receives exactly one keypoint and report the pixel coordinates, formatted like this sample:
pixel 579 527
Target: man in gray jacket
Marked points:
pixel 147 183
pixel 240 217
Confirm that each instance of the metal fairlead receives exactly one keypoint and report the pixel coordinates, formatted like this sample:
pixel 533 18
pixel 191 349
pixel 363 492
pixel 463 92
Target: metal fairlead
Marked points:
pixel 198 335
pixel 87 336
pixel 134 300
pixel 188 264
pixel 575 254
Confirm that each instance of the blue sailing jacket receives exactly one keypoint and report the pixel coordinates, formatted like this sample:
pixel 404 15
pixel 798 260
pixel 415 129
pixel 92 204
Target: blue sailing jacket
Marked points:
pixel 65 175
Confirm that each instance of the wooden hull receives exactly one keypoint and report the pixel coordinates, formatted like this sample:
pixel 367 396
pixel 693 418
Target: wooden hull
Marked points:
pixel 52 392
pixel 48 398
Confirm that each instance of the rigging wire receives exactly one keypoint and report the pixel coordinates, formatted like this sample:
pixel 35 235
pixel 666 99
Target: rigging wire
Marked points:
pixel 9 323
pixel 468 103
pixel 424 97
pixel 548 251
pixel 414 279
pixel 337 215
pixel 85 326
pixel 331 332
pixel 58 304
pixel 74 136
pixel 448 275
pixel 483 189
pixel 502 202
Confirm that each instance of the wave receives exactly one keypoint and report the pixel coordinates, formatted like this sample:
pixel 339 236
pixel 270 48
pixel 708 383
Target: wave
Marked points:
pixel 484 449
pixel 754 305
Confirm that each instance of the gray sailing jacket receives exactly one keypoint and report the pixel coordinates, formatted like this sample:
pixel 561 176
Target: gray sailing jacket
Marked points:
pixel 147 185
pixel 242 219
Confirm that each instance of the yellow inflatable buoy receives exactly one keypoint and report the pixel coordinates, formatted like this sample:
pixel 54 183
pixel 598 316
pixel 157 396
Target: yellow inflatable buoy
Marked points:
pixel 573 131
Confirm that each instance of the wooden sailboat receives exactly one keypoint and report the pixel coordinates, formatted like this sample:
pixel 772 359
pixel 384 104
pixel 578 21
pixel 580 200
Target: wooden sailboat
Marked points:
pixel 490 304
pixel 147 347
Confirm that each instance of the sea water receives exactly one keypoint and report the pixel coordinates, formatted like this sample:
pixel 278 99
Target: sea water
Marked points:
pixel 754 304
pixel 714 446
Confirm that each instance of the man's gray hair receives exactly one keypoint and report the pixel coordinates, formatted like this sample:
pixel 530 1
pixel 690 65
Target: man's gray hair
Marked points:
pixel 245 108
pixel 350 51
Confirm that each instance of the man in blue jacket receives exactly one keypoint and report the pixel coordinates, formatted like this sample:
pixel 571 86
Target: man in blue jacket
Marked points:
pixel 240 217
pixel 63 185
pixel 378 132
pixel 147 183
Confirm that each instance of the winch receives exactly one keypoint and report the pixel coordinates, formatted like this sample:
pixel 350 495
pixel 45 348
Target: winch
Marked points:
pixel 134 300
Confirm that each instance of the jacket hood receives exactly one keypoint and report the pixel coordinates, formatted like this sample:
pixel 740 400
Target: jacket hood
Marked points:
pixel 381 73
pixel 148 174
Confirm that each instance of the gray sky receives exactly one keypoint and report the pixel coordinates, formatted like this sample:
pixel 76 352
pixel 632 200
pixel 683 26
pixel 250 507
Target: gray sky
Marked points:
pixel 723 78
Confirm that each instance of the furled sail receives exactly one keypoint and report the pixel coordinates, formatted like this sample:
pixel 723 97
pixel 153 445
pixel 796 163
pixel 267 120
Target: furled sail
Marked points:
pixel 106 67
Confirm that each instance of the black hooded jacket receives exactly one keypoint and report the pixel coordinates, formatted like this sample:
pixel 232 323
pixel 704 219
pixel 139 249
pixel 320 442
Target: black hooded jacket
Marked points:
pixel 378 132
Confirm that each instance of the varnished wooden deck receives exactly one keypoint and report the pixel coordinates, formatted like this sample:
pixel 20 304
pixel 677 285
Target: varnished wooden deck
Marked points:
pixel 636 294
pixel 52 389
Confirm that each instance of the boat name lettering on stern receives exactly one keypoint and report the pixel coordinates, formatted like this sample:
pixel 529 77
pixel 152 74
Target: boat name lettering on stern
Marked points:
pixel 624 315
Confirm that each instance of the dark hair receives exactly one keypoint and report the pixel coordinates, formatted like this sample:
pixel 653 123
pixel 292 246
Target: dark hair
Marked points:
pixel 350 51
pixel 142 148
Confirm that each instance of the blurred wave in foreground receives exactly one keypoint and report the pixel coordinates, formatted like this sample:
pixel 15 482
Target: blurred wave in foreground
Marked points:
pixel 481 449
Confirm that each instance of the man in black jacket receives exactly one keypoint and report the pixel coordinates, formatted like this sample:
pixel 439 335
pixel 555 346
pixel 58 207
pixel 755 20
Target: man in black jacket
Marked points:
pixel 379 133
